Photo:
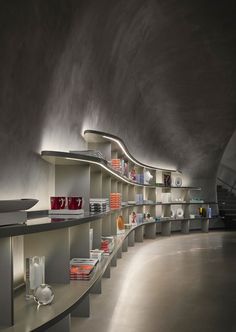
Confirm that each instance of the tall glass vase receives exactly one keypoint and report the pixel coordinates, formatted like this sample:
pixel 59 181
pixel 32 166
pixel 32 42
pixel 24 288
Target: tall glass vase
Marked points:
pixel 35 274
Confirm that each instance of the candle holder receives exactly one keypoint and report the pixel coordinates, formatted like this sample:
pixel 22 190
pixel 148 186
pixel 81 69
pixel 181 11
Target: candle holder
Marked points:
pixel 43 294
pixel 35 274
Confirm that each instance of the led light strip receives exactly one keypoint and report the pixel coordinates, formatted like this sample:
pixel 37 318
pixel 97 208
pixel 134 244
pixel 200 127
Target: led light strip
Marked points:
pixel 107 169
pixel 123 149
pixel 130 158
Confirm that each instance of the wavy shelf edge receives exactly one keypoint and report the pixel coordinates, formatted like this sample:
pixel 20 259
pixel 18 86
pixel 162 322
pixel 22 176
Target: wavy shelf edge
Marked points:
pixel 120 142
pixel 47 225
pixel 69 158
pixel 76 291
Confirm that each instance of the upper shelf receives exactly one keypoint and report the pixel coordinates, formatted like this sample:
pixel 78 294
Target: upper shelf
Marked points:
pixel 94 136
pixel 69 158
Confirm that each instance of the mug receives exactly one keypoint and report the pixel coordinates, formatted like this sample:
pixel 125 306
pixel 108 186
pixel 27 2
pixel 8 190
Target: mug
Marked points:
pixel 74 203
pixel 57 202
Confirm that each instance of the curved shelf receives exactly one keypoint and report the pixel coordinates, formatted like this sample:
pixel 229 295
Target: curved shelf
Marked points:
pixel 69 158
pixel 44 224
pixel 94 136
pixel 28 318
pixel 163 220
pixel 182 187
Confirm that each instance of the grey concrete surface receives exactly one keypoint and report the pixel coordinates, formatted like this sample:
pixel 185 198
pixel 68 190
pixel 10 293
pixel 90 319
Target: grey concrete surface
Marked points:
pixel 159 74
pixel 181 283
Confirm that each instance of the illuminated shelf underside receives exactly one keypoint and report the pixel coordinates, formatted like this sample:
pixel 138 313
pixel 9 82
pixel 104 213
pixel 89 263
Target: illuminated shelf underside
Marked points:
pixel 69 158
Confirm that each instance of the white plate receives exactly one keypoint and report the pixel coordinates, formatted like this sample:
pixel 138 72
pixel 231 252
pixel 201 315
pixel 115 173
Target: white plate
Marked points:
pixel 178 181
pixel 179 213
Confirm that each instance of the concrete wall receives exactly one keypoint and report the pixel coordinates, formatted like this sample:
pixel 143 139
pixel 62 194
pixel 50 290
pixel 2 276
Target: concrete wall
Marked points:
pixel 227 167
pixel 158 74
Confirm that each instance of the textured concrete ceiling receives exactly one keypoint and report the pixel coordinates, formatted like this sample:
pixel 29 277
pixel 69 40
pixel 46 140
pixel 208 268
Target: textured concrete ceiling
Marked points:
pixel 161 74
pixel 166 74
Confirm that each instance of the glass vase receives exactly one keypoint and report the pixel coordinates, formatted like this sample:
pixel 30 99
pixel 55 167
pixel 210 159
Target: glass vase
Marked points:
pixel 35 274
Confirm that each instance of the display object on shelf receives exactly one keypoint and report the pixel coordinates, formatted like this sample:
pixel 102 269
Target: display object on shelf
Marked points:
pixel 147 177
pixel 133 219
pixel 179 213
pixel 172 213
pixel 43 294
pixel 98 205
pixel 97 254
pixel 82 268
pixel 35 274
pixel 66 205
pixel 148 201
pixel 196 200
pixel 116 164
pixel 209 212
pixel 65 212
pixel 13 211
pixel 132 174
pixel 166 197
pixel 178 181
pixel 107 244
pixel 13 205
pixel 139 218
pixel 177 200
pixel 120 225
pixel 202 212
pixel 115 200
pixel 147 217
pixel 131 202
pixel 167 179
pixel 74 203
pixel 140 178
pixel 90 239
pixel 58 202
pixel 126 169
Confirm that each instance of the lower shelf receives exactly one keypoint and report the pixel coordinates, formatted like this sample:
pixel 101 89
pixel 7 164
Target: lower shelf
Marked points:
pixel 69 296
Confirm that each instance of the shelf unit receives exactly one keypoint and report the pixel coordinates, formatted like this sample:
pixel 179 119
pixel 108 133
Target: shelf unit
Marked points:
pixel 60 239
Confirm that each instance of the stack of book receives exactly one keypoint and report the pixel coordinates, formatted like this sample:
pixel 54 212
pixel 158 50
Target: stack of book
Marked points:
pixel 107 244
pixel 115 200
pixel 82 268
pixel 98 254
pixel 116 165
pixel 140 178
pixel 98 205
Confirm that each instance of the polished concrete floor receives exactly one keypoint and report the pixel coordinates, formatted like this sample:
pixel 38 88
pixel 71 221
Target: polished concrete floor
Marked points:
pixel 183 283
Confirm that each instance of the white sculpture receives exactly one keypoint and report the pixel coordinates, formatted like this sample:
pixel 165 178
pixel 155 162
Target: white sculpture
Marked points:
pixel 147 177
